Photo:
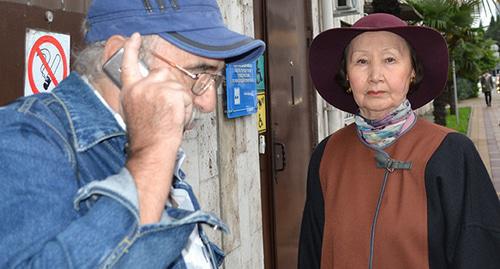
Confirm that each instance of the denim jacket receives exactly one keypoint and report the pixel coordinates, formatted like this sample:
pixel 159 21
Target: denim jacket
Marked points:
pixel 66 200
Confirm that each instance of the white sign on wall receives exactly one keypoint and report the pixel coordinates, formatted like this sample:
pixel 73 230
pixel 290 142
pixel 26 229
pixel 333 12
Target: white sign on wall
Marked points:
pixel 47 60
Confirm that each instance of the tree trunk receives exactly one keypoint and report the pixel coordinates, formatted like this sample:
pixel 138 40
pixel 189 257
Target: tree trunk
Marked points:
pixel 440 109
pixel 451 99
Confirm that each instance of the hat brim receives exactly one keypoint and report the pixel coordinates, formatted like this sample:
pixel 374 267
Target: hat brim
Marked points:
pixel 218 43
pixel 327 51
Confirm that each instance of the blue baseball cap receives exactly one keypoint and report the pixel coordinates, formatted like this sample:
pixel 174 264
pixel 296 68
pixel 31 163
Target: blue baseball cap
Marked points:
pixel 195 26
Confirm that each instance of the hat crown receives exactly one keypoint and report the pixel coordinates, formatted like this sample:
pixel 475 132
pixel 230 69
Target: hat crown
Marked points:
pixel 379 20
pixel 109 17
pixel 195 26
pixel 106 7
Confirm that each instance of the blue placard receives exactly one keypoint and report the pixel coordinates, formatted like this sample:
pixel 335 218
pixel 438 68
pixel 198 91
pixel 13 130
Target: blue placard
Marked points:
pixel 241 89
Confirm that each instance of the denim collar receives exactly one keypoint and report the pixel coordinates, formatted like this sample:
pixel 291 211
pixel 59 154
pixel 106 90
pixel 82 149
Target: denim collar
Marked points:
pixel 90 121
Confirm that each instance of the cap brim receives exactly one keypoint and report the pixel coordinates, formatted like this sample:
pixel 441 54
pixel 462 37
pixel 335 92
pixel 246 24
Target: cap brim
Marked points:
pixel 218 43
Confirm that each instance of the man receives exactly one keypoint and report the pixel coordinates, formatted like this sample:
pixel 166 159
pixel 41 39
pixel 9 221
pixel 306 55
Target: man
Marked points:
pixel 487 86
pixel 497 82
pixel 90 173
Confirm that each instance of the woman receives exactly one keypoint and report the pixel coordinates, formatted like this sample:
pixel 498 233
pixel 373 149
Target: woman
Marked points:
pixel 393 191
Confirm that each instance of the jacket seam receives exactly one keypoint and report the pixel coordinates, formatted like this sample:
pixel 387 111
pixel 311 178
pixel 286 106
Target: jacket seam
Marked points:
pixel 67 146
pixel 111 148
pixel 67 255
pixel 123 246
pixel 482 226
pixel 116 197
pixel 68 117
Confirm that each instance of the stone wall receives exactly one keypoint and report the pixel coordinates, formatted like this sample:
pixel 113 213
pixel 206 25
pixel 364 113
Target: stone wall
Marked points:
pixel 223 166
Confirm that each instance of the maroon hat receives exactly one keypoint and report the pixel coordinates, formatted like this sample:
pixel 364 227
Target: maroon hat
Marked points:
pixel 328 47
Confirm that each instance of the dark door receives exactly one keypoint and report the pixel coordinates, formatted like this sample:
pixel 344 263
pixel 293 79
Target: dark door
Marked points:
pixel 286 27
pixel 52 16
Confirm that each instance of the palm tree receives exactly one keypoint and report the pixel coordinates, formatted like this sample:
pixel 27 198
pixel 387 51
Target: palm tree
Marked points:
pixel 489 8
pixel 453 18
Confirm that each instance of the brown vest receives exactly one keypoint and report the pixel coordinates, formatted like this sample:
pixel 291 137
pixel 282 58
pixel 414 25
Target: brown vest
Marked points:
pixel 351 183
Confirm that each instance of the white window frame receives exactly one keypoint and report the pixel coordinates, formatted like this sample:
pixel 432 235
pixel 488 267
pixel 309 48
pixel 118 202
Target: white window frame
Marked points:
pixel 352 7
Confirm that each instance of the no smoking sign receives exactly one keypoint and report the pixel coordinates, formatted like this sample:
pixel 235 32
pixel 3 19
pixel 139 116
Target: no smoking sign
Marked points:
pixel 47 61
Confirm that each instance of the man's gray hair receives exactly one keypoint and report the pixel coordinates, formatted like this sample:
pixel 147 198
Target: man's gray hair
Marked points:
pixel 89 61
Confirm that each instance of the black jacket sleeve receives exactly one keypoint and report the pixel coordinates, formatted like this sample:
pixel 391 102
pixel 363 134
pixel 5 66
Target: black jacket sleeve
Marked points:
pixel 463 208
pixel 311 232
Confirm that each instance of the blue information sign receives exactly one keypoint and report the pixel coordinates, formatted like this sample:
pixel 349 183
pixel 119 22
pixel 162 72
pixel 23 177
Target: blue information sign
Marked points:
pixel 241 89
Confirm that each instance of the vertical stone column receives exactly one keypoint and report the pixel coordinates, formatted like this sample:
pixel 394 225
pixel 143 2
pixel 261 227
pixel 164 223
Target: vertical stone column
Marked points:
pixel 239 172
pixel 223 166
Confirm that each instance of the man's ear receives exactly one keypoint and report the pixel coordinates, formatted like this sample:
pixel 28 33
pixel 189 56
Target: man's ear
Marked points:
pixel 113 44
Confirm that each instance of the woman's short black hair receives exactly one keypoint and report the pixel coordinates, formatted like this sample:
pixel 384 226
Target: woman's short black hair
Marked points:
pixel 341 76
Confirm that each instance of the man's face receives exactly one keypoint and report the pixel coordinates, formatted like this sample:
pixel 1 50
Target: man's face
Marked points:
pixel 194 64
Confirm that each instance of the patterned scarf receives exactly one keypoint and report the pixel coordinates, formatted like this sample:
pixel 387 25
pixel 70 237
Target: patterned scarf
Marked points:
pixel 381 133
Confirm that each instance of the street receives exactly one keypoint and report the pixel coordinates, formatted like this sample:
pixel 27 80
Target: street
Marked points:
pixel 484 131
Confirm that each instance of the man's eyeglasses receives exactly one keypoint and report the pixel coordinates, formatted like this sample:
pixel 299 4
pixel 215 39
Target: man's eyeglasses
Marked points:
pixel 202 81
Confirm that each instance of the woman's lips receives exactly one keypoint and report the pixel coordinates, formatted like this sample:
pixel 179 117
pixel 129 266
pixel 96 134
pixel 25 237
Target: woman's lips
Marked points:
pixel 374 93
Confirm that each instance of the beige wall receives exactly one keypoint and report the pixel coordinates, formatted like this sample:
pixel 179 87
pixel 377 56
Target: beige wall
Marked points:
pixel 329 118
pixel 223 166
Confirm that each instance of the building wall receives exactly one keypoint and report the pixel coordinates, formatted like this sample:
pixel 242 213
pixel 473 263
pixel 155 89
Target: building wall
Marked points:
pixel 329 118
pixel 223 166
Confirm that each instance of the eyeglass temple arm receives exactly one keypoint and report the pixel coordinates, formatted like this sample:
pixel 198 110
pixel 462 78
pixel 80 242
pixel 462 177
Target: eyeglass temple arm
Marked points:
pixel 193 76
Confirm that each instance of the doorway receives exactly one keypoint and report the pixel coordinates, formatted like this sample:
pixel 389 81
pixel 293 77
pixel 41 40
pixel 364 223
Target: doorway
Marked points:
pixel 286 27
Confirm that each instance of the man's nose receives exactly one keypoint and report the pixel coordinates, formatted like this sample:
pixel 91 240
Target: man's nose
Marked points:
pixel 206 102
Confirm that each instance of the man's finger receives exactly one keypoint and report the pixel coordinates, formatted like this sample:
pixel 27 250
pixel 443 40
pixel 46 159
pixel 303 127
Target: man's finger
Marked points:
pixel 130 66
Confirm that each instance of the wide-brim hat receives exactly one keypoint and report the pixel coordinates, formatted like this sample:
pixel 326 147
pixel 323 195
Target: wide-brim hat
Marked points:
pixel 195 26
pixel 327 51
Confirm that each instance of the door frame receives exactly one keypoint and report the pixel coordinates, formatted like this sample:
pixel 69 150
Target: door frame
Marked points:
pixel 266 160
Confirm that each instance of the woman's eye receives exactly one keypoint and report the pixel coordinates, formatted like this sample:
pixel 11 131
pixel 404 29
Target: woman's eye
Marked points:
pixel 390 59
pixel 361 61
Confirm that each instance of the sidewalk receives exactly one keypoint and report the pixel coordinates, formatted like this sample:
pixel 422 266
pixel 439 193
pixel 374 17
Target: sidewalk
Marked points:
pixel 484 131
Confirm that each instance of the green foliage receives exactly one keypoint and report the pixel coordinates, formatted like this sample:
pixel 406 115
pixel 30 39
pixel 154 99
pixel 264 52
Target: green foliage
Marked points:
pixel 474 56
pixel 468 47
pixel 493 31
pixel 466 89
pixel 463 120
pixel 453 18
pixel 446 16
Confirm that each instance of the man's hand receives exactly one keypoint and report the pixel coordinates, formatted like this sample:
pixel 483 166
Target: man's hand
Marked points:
pixel 155 109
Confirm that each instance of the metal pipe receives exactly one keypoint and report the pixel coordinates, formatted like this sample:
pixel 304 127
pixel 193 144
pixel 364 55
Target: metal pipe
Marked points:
pixel 455 91
pixel 326 14
pixel 334 116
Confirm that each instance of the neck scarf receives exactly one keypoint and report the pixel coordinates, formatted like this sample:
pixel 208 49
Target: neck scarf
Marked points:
pixel 381 133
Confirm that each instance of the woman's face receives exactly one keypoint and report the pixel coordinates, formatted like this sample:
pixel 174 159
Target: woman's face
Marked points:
pixel 379 71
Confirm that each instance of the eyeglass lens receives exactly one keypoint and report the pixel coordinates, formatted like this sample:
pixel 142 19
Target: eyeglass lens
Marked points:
pixel 205 81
